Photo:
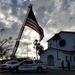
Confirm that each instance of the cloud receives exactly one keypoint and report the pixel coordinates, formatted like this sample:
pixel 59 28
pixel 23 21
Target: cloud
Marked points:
pixel 52 15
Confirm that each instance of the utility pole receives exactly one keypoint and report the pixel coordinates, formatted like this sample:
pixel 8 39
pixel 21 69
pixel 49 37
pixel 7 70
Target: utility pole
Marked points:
pixel 27 50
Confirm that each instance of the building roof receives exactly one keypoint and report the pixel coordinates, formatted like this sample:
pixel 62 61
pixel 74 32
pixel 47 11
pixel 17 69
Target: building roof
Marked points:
pixel 62 32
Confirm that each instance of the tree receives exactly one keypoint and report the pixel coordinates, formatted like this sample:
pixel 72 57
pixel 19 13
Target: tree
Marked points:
pixel 39 48
pixel 5 45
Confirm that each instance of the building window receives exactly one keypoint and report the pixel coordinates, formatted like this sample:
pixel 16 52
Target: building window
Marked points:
pixel 70 58
pixel 74 58
pixel 66 58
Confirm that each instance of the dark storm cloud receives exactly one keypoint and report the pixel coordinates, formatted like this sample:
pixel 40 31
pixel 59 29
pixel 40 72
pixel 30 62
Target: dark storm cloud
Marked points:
pixel 14 7
pixel 51 6
pixel 2 25
pixel 66 4
pixel 18 8
pixel 42 8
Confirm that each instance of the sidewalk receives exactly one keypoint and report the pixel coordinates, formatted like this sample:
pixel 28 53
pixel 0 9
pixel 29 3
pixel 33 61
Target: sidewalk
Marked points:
pixel 66 69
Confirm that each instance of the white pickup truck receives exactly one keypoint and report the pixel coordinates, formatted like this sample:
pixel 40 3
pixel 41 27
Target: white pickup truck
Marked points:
pixel 27 65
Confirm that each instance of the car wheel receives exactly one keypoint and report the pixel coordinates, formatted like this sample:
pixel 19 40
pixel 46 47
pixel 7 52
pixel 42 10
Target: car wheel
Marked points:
pixel 14 70
pixel 9 68
pixel 40 69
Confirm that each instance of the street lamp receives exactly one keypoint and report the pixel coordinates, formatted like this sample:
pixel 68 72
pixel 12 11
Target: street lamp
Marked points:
pixel 26 43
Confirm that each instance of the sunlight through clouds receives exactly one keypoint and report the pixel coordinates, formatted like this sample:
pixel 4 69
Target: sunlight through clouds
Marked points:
pixel 2 16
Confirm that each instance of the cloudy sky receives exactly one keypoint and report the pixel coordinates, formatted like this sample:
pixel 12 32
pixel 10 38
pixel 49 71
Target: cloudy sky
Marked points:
pixel 52 15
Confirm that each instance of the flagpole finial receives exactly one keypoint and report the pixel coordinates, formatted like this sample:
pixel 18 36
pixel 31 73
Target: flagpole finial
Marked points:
pixel 30 6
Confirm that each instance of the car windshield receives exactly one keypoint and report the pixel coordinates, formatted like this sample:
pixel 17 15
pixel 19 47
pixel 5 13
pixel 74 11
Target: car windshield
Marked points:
pixel 11 62
pixel 8 62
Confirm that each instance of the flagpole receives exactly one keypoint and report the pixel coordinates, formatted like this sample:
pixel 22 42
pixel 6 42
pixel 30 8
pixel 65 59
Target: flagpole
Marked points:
pixel 20 33
pixel 23 26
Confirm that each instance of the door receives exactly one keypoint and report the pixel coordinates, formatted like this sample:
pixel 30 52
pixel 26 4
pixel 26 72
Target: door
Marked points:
pixel 26 65
pixel 50 60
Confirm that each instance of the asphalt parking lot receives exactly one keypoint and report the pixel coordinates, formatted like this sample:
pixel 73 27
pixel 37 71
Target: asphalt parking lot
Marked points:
pixel 47 72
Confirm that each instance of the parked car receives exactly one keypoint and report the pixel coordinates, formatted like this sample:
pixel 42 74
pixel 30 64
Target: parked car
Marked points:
pixel 28 65
pixel 9 64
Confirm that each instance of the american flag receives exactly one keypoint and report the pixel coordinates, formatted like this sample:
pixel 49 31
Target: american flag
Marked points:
pixel 32 23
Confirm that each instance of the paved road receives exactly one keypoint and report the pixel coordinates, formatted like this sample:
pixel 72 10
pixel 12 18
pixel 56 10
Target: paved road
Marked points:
pixel 48 72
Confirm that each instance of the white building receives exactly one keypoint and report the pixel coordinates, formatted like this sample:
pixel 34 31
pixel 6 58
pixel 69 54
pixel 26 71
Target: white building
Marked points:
pixel 60 47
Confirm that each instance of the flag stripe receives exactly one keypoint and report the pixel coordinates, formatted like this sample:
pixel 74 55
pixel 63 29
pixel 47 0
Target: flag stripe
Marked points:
pixel 32 27
pixel 30 24
pixel 35 24
pixel 32 21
